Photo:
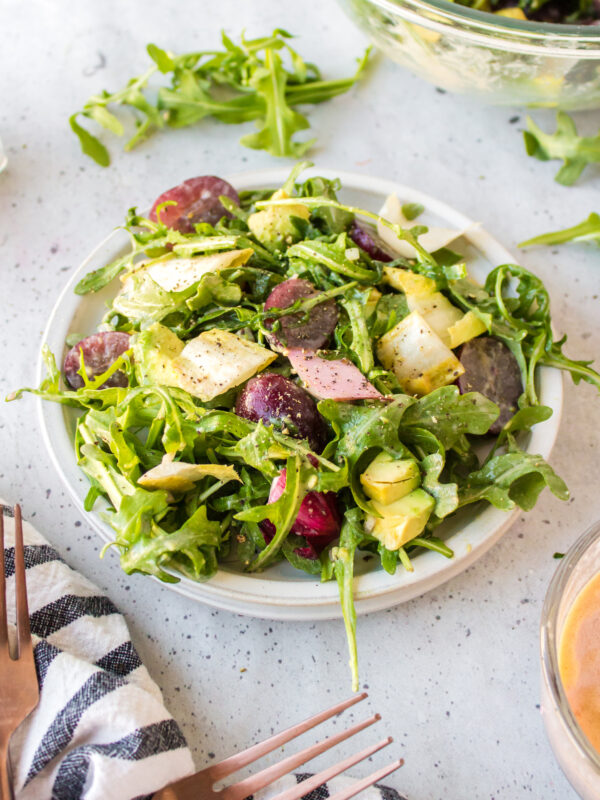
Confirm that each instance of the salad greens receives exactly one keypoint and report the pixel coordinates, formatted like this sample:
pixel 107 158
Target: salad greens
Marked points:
pixel 582 12
pixel 586 231
pixel 241 507
pixel 563 145
pixel 261 80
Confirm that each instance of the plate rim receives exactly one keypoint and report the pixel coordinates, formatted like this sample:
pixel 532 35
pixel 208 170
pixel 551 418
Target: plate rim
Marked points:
pixel 255 597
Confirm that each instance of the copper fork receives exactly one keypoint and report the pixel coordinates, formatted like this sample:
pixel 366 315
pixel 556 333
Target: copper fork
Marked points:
pixel 19 688
pixel 201 784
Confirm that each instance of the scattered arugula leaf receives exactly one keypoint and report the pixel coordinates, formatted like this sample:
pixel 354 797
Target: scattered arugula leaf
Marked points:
pixel 563 145
pixel 242 82
pixel 586 231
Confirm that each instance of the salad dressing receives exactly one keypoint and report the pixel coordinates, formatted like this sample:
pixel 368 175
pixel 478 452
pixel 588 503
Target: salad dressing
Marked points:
pixel 579 660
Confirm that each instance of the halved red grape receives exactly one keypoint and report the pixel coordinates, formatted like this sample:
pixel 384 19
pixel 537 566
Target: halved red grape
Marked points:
pixel 294 330
pixel 278 401
pixel 368 242
pixel 99 350
pixel 318 520
pixel 490 368
pixel 197 201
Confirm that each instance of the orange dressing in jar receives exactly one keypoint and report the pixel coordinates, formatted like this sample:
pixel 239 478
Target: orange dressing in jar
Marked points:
pixel 579 660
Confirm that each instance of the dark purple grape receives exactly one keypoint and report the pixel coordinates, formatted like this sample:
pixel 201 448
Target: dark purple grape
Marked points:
pixel 292 332
pixel 280 402
pixel 197 201
pixel 490 368
pixel 99 350
pixel 368 242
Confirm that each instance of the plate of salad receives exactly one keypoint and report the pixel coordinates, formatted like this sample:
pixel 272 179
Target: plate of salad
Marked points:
pixel 283 403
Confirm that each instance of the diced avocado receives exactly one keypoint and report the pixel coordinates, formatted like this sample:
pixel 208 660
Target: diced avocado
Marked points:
pixel 468 327
pixel 153 353
pixel 273 226
pixel 514 13
pixel 372 300
pixel 411 283
pixel 419 358
pixel 387 479
pixel 402 520
pixel 218 360
pixel 179 476
pixel 438 312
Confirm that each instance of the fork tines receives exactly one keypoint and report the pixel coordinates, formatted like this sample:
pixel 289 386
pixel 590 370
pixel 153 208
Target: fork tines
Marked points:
pixel 22 611
pixel 19 690
pixel 248 786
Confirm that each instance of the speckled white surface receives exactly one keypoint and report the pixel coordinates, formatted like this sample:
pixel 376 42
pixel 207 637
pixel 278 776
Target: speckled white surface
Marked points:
pixel 454 673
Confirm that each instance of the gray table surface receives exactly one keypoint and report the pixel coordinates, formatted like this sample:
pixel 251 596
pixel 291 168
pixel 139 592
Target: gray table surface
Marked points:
pixel 454 673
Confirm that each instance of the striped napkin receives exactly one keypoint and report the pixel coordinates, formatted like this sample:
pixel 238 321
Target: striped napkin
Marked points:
pixel 101 730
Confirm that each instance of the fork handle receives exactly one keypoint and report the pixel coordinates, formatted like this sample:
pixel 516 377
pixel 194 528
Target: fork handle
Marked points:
pixel 6 787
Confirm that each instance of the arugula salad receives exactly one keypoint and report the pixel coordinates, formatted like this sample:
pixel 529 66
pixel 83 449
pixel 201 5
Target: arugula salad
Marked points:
pixel 572 12
pixel 282 376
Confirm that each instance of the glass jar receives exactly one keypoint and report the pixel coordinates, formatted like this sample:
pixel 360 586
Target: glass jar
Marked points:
pixel 578 759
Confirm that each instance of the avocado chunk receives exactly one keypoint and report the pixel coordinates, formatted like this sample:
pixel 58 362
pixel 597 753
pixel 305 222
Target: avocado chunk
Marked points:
pixel 373 298
pixel 387 479
pixel 402 520
pixel 467 328
pixel 274 226
pixel 411 283
pixel 153 353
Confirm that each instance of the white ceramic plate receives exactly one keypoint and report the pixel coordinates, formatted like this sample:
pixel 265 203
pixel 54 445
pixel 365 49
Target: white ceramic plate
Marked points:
pixel 283 592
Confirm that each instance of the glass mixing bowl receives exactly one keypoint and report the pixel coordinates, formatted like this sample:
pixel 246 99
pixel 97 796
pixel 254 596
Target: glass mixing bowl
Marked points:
pixel 496 59
pixel 578 759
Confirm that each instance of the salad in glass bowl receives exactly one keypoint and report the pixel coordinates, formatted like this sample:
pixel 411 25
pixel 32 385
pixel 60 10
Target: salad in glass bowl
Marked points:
pixel 285 377
pixel 515 56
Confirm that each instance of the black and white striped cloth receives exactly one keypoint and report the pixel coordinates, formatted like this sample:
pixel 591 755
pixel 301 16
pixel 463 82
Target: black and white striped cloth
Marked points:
pixel 101 730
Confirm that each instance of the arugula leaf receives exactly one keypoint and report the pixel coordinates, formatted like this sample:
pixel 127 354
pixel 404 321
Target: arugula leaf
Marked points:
pixel 445 494
pixel 292 550
pixel 333 256
pixel 360 428
pixel 191 549
pixel 564 145
pixel 280 121
pixel 361 346
pixel 588 230
pixel 90 145
pixel 283 512
pixel 163 60
pixel 335 220
pixel 343 557
pixel 389 311
pixel 513 478
pixel 239 83
pixel 318 91
pixel 450 415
